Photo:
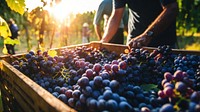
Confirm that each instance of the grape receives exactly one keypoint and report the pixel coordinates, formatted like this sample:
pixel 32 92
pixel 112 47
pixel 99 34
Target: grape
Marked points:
pixel 89 73
pixel 168 76
pixel 57 89
pixel 71 102
pixel 161 94
pixel 145 109
pixel 195 97
pixel 107 67
pixel 101 104
pixel 63 90
pixel 83 81
pixel 168 91
pixel 197 108
pixel 114 85
pixel 97 67
pixel 124 106
pixel 181 87
pixel 82 64
pixel 68 93
pixel 115 68
pixel 112 105
pixel 104 75
pixel 115 62
pixel 76 94
pixel 92 104
pixel 140 97
pixel 96 94
pixel 107 95
pixel 87 91
pixel 167 108
pixel 55 94
pixel 63 98
pixel 192 106
pixel 122 65
pixel 98 81
pixel 168 85
pixel 83 98
pixel 178 75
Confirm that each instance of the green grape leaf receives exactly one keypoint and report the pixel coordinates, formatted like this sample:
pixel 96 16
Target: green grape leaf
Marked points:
pixel 147 87
pixel 17 5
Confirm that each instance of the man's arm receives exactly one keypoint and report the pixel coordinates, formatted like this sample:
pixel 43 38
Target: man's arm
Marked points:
pixel 98 18
pixel 165 18
pixel 113 25
pixel 97 29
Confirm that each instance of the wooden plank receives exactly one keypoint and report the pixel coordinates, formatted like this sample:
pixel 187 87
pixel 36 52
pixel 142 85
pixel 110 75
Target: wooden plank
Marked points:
pixel 7 98
pixel 8 90
pixel 41 98
pixel 120 49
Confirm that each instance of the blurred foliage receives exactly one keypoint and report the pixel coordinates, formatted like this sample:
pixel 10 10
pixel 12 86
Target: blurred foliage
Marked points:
pixel 189 17
pixel 17 5
pixel 189 42
pixel 193 46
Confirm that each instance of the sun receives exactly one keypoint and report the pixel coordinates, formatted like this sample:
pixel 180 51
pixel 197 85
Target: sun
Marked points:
pixel 64 8
pixel 59 11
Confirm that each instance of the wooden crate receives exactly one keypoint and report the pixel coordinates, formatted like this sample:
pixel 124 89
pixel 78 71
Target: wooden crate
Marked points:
pixel 21 94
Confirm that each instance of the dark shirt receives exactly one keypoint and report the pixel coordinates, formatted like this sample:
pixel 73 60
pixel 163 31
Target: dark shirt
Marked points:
pixel 14 31
pixel 142 13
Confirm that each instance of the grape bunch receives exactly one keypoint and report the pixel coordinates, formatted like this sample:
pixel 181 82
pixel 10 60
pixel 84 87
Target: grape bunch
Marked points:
pixel 90 79
pixel 178 91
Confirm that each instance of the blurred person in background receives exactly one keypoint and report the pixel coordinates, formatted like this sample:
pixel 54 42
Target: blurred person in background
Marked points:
pixel 85 33
pixel 14 36
pixel 151 22
pixel 104 12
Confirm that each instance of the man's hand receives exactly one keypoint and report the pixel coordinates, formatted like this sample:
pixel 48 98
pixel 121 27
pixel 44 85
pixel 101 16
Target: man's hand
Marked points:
pixel 139 41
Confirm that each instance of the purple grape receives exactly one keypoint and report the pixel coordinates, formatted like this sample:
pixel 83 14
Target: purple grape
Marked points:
pixel 98 81
pixel 97 67
pixel 76 94
pixel 167 108
pixel 83 81
pixel 181 87
pixel 112 105
pixel 168 76
pixel 125 106
pixel 168 91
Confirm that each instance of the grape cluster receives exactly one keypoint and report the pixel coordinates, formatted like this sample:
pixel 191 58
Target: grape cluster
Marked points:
pixel 178 91
pixel 89 79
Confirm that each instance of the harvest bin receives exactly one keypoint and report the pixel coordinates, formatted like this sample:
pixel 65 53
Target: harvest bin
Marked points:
pixel 21 94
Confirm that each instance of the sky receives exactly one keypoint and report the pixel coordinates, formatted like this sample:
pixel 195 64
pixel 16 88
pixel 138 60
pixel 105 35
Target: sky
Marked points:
pixel 75 6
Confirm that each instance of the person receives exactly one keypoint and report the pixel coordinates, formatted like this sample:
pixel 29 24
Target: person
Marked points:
pixel 104 12
pixel 14 36
pixel 85 33
pixel 151 22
